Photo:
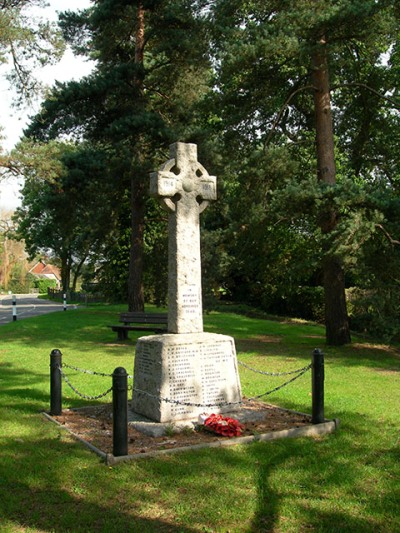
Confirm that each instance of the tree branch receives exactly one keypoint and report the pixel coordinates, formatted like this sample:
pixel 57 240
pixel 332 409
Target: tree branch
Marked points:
pixel 387 234
pixel 395 104
pixel 282 109
pixel 8 166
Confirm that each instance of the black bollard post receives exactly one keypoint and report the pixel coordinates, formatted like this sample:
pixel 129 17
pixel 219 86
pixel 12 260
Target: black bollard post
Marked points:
pixel 14 307
pixel 55 382
pixel 64 302
pixel 120 412
pixel 318 377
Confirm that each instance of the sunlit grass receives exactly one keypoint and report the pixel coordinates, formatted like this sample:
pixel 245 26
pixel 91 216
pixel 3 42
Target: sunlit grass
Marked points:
pixel 348 481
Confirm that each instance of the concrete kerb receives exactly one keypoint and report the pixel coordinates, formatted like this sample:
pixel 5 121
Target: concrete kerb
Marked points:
pixel 94 449
pixel 307 431
pixel 314 430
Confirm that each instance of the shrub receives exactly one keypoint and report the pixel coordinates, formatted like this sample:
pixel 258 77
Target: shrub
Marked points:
pixel 375 312
pixel 43 284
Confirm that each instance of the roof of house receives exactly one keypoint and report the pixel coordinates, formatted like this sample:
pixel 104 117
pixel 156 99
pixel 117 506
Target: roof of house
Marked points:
pixel 42 269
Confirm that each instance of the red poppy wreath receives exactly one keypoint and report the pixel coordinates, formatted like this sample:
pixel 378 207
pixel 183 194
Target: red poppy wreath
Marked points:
pixel 223 425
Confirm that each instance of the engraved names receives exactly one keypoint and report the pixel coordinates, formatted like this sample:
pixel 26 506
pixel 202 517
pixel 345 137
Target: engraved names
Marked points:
pixel 199 371
pixel 146 361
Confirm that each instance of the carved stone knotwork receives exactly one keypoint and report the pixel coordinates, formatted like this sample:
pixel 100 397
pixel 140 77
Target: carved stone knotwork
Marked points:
pixel 183 178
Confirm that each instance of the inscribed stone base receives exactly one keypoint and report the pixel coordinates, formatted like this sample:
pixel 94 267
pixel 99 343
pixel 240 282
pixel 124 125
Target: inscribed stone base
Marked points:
pixel 189 368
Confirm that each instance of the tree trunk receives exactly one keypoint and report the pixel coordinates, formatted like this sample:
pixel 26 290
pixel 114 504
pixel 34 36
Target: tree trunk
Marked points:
pixel 76 274
pixel 65 273
pixel 135 282
pixel 138 188
pixel 336 318
pixel 5 271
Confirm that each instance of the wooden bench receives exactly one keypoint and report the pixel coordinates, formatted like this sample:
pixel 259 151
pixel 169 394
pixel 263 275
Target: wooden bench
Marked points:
pixel 138 321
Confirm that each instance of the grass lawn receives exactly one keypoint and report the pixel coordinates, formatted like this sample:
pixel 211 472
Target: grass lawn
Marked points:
pixel 346 482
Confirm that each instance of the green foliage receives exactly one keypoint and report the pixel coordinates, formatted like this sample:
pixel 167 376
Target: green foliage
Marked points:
pixel 151 70
pixel 43 284
pixel 16 286
pixel 109 270
pixel 249 103
pixel 66 215
pixel 156 254
pixel 216 261
pixel 27 42
pixel 262 111
pixel 38 161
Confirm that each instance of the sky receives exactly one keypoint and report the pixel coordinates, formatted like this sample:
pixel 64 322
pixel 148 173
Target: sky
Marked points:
pixel 13 121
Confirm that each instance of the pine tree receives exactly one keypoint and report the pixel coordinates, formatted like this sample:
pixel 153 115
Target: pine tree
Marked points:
pixel 151 67
pixel 277 63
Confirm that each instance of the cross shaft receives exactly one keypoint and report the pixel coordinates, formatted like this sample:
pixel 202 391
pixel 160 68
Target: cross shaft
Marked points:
pixel 185 188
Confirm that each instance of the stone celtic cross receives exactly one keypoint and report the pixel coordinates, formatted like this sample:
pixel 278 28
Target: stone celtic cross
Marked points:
pixel 185 188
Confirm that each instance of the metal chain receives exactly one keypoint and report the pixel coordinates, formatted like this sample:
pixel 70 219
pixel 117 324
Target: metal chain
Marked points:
pixel 274 374
pixel 90 371
pixel 85 396
pixel 304 370
pixel 86 371
pixel 187 404
pixel 300 372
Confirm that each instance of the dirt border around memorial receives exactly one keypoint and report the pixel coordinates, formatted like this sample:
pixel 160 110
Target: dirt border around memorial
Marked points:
pixel 315 430
pixel 306 430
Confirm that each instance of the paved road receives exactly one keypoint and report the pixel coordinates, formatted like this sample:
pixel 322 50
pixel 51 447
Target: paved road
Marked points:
pixel 27 305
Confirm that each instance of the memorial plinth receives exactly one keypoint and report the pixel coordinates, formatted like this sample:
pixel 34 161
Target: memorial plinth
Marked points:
pixel 186 372
pixel 178 377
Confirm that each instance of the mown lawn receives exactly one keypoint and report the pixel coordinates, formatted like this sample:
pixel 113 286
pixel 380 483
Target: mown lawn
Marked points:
pixel 345 482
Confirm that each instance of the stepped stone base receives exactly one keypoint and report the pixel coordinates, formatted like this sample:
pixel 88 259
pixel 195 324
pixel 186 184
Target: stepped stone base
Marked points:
pixel 190 368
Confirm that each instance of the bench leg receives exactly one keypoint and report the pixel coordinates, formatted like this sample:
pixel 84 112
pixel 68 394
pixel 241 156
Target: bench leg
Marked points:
pixel 122 334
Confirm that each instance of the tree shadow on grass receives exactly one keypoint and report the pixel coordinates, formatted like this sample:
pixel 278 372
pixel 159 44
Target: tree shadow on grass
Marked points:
pixel 338 483
pixel 19 390
pixel 314 483
pixel 328 484
pixel 53 509
pixel 50 484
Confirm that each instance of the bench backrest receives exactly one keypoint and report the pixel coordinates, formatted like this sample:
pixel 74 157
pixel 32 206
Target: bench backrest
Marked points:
pixel 144 318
